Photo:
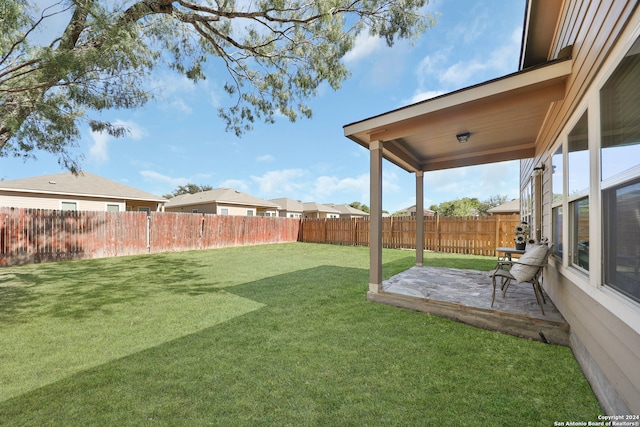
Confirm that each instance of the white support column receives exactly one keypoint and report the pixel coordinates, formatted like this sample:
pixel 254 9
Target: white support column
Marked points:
pixel 419 218
pixel 375 231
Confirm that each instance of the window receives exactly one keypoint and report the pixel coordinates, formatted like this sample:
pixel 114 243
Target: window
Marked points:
pixel 526 205
pixel 557 230
pixel 620 116
pixel 620 161
pixel 557 176
pixel 622 238
pixel 578 187
pixel 224 211
pixel 147 210
pixel 249 212
pixel 557 188
pixel 580 233
pixel 578 158
pixel 194 210
pixel 113 208
pixel 68 206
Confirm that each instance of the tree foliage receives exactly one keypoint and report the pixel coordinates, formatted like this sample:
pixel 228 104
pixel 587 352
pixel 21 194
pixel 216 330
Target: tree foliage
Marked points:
pixel 468 206
pixel 360 206
pixel 188 189
pixel 277 53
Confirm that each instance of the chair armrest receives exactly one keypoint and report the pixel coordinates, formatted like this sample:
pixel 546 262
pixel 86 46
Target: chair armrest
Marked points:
pixel 504 265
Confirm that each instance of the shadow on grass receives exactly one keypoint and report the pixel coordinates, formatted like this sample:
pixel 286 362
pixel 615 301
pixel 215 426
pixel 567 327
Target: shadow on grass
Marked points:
pixel 318 353
pixel 90 286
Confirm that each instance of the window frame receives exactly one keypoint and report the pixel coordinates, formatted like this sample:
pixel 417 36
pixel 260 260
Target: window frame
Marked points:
pixel 76 205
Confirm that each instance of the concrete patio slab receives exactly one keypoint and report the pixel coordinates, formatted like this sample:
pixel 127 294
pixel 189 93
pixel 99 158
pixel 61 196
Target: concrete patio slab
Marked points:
pixel 465 296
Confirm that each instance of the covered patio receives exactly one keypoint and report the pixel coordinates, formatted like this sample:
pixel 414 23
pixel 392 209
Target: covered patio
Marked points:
pixel 495 121
pixel 465 296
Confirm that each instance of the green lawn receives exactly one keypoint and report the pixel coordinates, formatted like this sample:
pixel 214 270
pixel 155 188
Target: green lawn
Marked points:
pixel 263 335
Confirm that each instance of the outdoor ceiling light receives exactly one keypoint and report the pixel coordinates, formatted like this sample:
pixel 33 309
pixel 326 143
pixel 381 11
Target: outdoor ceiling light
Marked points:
pixel 463 137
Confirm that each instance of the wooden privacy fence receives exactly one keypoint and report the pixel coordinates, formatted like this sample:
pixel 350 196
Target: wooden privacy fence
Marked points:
pixel 38 235
pixel 465 235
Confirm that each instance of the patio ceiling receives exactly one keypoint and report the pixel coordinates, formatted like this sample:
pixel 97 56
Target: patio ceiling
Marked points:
pixel 503 117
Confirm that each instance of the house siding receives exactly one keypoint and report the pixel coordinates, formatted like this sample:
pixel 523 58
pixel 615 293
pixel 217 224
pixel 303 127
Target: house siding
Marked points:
pixel 605 326
pixel 591 46
pixel 214 208
pixel 45 201
pixel 53 201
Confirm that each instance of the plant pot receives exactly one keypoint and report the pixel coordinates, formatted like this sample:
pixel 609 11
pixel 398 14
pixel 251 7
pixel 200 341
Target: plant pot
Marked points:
pixel 521 246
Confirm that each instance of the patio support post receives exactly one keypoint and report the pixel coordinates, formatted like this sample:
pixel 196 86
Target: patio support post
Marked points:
pixel 419 218
pixel 375 224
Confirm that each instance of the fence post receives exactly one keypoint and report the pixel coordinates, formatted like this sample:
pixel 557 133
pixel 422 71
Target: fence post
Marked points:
pixel 495 246
pixel 437 242
pixel 149 233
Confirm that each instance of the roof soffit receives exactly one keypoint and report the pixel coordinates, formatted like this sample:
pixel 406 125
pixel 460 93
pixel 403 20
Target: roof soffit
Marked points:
pixel 503 116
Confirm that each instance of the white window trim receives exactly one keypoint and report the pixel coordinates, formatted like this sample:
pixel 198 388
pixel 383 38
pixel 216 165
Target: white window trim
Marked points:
pixel 625 308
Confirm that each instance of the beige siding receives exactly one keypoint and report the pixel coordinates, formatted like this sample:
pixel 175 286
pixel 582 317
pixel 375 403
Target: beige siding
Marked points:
pixel 591 45
pixel 209 208
pixel 45 201
pixel 609 348
pixel 215 208
pixel 605 326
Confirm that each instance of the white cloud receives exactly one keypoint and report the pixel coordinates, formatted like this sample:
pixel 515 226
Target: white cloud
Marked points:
pixel 486 65
pixel 281 183
pixel 482 181
pixel 158 178
pixel 236 184
pixel 364 46
pixel 99 149
pixel 327 188
pixel 421 96
pixel 181 105
pixel 265 158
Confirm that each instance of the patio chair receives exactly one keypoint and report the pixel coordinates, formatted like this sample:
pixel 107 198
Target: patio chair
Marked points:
pixel 528 269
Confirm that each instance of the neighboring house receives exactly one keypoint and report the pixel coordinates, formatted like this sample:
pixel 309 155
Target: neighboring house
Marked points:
pixel 222 201
pixel 347 211
pixel 571 114
pixel 317 210
pixel 289 208
pixel 84 192
pixel 509 208
pixel 411 211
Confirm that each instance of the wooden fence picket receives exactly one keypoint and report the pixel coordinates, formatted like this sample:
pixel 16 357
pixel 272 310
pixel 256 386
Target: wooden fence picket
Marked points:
pixel 37 235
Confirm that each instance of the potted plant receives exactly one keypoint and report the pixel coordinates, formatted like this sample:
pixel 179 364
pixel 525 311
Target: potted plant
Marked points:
pixel 521 238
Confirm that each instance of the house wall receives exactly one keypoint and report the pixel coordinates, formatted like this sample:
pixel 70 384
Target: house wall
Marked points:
pixel 289 214
pixel 267 212
pixel 215 208
pixel 321 215
pixel 605 325
pixel 45 201
pixel 134 205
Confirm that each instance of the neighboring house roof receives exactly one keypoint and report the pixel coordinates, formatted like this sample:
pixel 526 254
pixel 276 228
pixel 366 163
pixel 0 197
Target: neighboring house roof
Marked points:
pixel 220 195
pixel 318 207
pixel 510 207
pixel 347 209
pixel 412 209
pixel 83 185
pixel 289 205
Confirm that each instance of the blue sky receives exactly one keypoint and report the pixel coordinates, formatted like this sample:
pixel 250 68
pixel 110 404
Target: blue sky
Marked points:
pixel 179 139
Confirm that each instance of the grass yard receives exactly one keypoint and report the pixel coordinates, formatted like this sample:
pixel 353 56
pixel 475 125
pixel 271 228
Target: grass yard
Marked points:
pixel 264 335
